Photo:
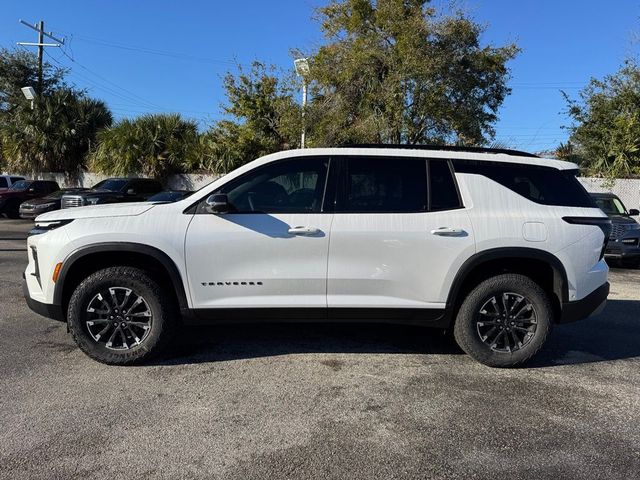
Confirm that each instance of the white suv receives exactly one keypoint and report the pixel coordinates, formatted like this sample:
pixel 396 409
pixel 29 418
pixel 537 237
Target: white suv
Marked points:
pixel 496 245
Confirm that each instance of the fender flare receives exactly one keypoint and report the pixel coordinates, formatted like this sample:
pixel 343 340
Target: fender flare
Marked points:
pixel 560 281
pixel 157 254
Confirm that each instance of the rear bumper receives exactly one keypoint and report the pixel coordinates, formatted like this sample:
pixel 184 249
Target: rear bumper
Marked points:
pixel 581 309
pixel 45 309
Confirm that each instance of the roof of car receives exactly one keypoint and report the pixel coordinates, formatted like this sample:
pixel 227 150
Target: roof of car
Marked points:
pixel 460 153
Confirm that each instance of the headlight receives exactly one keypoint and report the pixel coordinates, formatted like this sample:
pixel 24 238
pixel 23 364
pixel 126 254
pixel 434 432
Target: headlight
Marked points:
pixel 92 200
pixel 44 227
pixel 43 205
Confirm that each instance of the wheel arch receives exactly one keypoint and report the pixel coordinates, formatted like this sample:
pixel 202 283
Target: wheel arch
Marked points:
pixel 541 266
pixel 89 259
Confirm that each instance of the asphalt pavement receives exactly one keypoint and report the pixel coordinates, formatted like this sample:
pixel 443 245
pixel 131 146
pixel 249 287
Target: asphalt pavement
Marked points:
pixel 317 401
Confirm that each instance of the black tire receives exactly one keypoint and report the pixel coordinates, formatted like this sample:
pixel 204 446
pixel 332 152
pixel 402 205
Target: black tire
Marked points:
pixel 153 339
pixel 471 323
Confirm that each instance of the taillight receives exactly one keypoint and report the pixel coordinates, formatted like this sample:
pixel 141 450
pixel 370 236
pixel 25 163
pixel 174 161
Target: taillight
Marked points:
pixel 603 223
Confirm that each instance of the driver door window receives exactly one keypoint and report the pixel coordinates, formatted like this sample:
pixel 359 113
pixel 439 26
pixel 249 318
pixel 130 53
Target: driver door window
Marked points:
pixel 290 186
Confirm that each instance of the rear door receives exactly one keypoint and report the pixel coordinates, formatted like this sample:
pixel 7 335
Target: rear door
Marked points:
pixel 399 233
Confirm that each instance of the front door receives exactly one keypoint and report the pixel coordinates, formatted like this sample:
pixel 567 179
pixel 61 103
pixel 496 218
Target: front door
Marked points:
pixel 271 249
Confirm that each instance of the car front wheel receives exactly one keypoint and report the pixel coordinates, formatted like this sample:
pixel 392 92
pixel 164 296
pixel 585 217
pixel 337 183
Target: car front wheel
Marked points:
pixel 121 316
pixel 504 321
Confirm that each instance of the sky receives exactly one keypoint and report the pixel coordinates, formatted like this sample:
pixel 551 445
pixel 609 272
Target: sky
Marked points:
pixel 150 56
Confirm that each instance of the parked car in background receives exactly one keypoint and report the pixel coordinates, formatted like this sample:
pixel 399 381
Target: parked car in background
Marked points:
pixel 114 190
pixel 624 241
pixel 21 191
pixel 7 180
pixel 170 196
pixel 33 208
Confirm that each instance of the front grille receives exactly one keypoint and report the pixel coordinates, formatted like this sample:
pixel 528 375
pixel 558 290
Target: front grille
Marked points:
pixel 71 201
pixel 617 231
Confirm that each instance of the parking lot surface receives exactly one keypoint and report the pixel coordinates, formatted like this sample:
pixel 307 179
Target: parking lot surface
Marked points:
pixel 317 401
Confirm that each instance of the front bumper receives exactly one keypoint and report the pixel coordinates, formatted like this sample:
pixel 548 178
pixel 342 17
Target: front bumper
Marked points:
pixel 581 309
pixel 45 309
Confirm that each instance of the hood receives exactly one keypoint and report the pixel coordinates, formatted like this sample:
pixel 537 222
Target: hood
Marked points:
pixel 98 192
pixel 97 211
pixel 40 201
pixel 621 219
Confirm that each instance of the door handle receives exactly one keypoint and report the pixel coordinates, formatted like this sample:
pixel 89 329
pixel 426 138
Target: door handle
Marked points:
pixel 304 231
pixel 448 232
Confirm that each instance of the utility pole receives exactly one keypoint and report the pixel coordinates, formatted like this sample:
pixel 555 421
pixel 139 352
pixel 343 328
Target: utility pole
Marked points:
pixel 40 54
pixel 39 27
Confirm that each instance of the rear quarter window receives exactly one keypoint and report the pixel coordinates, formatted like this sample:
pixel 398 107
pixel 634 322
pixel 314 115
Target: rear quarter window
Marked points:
pixel 543 185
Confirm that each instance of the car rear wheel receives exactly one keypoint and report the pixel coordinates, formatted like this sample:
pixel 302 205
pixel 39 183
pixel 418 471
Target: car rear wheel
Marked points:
pixel 504 321
pixel 121 316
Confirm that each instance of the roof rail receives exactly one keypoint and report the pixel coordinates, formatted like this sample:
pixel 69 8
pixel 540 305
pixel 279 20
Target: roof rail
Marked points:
pixel 448 148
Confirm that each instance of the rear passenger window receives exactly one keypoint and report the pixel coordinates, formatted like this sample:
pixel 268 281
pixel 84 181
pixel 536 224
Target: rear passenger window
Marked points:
pixel 444 194
pixel 384 185
pixel 545 185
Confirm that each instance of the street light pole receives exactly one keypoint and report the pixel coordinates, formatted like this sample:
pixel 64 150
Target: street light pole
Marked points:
pixel 302 70
pixel 304 108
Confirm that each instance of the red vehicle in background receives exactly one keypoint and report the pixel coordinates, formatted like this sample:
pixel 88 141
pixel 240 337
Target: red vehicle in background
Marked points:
pixel 22 190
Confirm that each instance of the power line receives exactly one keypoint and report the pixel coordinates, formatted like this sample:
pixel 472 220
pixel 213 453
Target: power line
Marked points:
pixel 151 51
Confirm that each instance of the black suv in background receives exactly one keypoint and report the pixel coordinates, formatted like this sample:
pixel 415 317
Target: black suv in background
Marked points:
pixel 624 241
pixel 34 207
pixel 114 190
pixel 21 191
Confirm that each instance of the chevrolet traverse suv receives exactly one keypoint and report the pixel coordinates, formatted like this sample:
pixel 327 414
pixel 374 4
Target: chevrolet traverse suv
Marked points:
pixel 498 246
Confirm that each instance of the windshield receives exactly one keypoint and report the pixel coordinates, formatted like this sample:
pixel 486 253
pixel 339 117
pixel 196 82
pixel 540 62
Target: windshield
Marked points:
pixel 114 185
pixel 21 185
pixel 611 206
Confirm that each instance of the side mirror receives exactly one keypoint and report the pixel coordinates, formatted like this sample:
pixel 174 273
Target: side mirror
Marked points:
pixel 131 191
pixel 634 212
pixel 217 203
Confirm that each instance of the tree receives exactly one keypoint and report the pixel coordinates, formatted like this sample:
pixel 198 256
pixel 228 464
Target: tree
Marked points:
pixel 56 135
pixel 606 128
pixel 19 68
pixel 398 71
pixel 263 117
pixel 155 145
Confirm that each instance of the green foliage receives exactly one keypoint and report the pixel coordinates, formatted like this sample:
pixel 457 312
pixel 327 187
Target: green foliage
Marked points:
pixel 55 135
pixel 19 68
pixel 152 145
pixel 606 129
pixel 397 71
pixel 263 118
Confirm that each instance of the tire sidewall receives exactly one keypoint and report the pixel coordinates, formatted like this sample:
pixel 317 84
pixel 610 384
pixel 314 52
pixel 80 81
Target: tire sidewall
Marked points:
pixel 466 330
pixel 98 282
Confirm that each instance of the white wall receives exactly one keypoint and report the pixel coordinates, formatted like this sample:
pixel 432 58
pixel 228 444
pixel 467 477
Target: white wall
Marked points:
pixel 628 189
pixel 192 181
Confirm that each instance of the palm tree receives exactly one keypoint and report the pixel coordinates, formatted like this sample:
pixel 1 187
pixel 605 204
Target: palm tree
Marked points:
pixel 155 145
pixel 56 135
